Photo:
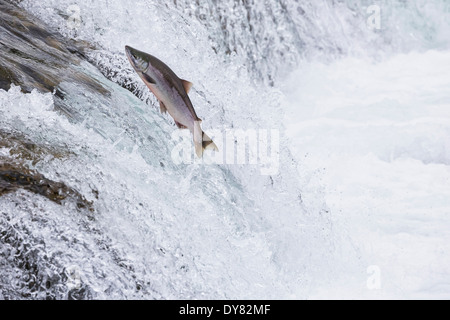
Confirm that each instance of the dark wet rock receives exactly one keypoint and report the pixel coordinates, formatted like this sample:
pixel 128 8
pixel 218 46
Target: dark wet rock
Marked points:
pixel 26 149
pixel 6 78
pixel 15 176
pixel 33 57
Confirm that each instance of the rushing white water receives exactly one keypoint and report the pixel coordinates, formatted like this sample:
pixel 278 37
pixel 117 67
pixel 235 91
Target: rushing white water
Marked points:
pixel 378 140
pixel 363 180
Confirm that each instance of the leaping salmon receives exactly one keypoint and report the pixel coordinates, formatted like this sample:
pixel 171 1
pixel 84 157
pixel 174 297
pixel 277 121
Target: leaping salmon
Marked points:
pixel 172 94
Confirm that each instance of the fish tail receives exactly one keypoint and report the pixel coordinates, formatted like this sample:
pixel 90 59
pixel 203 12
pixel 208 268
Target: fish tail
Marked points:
pixel 202 141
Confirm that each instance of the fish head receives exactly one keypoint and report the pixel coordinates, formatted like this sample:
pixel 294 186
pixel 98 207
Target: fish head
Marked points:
pixel 142 63
pixel 139 60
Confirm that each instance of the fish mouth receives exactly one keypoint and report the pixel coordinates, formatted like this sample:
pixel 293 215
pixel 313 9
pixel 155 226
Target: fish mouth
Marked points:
pixel 137 59
pixel 131 57
pixel 128 50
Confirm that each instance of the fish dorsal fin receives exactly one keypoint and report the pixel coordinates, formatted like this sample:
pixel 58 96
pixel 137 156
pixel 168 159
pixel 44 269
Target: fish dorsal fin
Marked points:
pixel 162 107
pixel 187 85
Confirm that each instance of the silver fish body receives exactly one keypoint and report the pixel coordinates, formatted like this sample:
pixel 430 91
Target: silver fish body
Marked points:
pixel 172 93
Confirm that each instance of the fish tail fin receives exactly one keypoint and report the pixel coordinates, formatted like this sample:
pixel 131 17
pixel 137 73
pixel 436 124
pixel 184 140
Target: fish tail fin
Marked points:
pixel 202 141
pixel 208 144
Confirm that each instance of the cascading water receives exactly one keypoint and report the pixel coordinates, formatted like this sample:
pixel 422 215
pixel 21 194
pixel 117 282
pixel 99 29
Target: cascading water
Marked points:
pixel 355 122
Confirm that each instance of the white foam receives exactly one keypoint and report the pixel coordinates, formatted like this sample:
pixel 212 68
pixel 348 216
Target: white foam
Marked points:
pixel 370 140
pixel 380 132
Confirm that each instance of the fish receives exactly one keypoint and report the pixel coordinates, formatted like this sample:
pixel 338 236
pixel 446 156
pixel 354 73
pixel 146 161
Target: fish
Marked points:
pixel 172 94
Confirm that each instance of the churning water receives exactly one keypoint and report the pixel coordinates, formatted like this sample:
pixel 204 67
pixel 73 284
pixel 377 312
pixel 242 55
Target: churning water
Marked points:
pixel 358 94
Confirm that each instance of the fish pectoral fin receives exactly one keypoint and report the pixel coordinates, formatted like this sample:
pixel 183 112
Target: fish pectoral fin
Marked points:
pixel 187 85
pixel 148 78
pixel 180 126
pixel 162 107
